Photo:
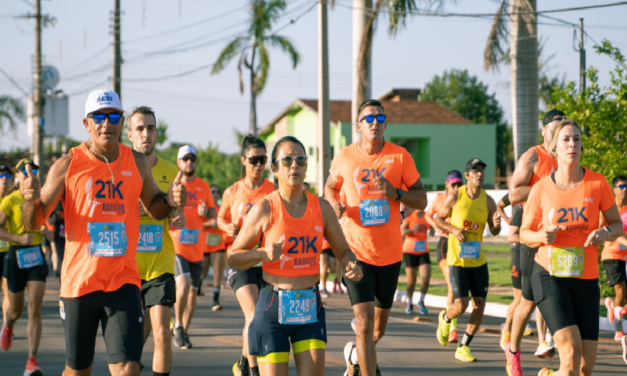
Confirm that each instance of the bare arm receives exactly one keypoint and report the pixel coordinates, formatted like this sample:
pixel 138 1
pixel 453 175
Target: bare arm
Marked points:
pixel 405 230
pixel 614 223
pixel 243 254
pixel 334 235
pixel 519 184
pixel 445 212
pixel 332 194
pixel 493 217
pixel 416 196
pixel 500 209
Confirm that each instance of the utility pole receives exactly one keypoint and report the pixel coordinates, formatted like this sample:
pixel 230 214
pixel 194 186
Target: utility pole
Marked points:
pixel 323 97
pixel 117 51
pixel 361 12
pixel 38 120
pixel 582 59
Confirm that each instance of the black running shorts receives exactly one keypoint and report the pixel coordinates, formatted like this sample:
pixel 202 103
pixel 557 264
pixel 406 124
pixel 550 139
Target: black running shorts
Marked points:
pixel 238 278
pixel 516 272
pixel 414 261
pixel 615 271
pixel 18 278
pixel 517 212
pixel 118 312
pixel 193 269
pixel 442 249
pixel 527 256
pixel 2 257
pixel 566 302
pixel 327 251
pixel 378 284
pixel 159 291
pixel 474 280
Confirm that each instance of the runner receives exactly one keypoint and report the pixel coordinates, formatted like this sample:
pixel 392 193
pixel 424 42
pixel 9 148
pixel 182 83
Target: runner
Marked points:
pixel 6 186
pixel 237 201
pixel 469 211
pixel 188 245
pixel 214 251
pixel 328 263
pixel 155 249
pixel 101 183
pixel 24 266
pixel 375 173
pixel 57 219
pixel 453 181
pixel 532 166
pixel 416 255
pixel 613 260
pixel 565 275
pixel 291 223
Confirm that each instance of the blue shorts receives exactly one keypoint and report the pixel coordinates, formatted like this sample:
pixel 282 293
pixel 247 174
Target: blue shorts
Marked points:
pixel 270 340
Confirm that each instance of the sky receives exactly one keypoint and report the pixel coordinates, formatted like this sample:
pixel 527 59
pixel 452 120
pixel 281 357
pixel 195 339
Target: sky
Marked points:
pixel 162 38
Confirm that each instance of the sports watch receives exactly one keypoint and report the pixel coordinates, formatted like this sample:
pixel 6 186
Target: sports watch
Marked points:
pixel 400 193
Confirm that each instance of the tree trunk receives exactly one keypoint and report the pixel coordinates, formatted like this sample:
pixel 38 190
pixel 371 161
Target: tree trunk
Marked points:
pixel 525 86
pixel 362 55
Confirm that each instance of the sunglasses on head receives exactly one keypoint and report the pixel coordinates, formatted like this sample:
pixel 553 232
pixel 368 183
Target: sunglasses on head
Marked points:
pixel 26 173
pixel 370 118
pixel 98 118
pixel 259 159
pixel 620 186
pixel 5 175
pixel 193 159
pixel 300 160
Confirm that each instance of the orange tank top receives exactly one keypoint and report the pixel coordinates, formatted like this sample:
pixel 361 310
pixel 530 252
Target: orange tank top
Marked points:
pixel 243 199
pixel 301 238
pixel 613 250
pixel 416 241
pixel 546 165
pixel 214 238
pixel 93 199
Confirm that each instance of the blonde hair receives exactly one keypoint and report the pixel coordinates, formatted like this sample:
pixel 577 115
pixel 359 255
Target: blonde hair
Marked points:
pixel 565 122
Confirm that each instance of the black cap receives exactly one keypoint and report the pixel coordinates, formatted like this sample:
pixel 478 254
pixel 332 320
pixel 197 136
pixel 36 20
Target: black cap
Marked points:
pixel 21 165
pixel 548 117
pixel 5 168
pixel 474 162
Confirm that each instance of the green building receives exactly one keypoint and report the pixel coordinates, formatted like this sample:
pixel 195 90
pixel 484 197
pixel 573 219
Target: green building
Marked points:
pixel 438 139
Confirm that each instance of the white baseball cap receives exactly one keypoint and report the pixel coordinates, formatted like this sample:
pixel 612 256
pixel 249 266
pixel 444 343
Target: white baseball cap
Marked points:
pixel 184 150
pixel 100 99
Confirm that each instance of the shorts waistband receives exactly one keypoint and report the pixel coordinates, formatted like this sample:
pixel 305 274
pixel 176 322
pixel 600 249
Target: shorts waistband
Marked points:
pixel 272 287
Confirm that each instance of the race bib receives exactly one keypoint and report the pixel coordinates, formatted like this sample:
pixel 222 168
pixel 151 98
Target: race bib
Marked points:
pixel 213 239
pixel 107 239
pixel 29 257
pixel 374 212
pixel 298 307
pixel 470 250
pixel 150 238
pixel 4 244
pixel 620 247
pixel 567 262
pixel 188 236
pixel 420 246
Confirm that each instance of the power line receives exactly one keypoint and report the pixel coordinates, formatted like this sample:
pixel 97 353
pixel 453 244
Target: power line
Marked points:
pixel 89 88
pixel 14 83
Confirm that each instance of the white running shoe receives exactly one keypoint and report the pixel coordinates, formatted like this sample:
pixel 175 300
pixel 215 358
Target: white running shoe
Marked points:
pixel 351 369
pixel 354 325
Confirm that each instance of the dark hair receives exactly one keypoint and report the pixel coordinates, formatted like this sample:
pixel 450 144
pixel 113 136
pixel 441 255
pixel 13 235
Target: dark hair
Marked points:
pixel 143 110
pixel 617 179
pixel 369 103
pixel 251 142
pixel 215 186
pixel 275 150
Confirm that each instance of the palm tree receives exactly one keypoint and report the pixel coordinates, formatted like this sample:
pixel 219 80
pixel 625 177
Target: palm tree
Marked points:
pixel 524 64
pixel 11 110
pixel 253 51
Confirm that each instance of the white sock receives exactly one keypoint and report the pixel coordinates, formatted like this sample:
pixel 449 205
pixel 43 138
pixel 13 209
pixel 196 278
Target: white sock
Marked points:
pixel 410 302
pixel 422 297
pixel 354 359
pixel 548 337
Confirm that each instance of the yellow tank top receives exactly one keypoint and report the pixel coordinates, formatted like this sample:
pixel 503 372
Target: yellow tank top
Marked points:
pixel 154 264
pixel 11 205
pixel 471 215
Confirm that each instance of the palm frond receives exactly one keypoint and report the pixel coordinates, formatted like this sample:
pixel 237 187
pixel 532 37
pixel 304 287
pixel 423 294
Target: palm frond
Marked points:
pixel 397 10
pixel 497 40
pixel 11 111
pixel 286 46
pixel 262 71
pixel 233 48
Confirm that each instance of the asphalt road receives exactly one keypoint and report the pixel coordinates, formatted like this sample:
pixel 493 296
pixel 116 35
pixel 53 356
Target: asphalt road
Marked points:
pixel 408 348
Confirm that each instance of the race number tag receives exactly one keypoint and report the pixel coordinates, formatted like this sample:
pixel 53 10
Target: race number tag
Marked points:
pixel 567 262
pixel 4 244
pixel 374 212
pixel 107 239
pixel 420 246
pixel 213 239
pixel 297 307
pixel 29 257
pixel 620 247
pixel 150 238
pixel 470 250
pixel 188 236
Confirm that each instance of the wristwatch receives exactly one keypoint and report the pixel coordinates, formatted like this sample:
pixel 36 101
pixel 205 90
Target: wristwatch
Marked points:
pixel 400 193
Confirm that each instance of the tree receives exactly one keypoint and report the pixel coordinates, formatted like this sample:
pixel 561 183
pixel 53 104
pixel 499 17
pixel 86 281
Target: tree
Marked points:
pixel 253 51
pixel 11 111
pixel 467 96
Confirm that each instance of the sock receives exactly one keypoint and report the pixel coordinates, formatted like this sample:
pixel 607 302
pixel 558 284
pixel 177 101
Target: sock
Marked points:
pixel 446 319
pixel 160 373
pixel 254 371
pixel 410 302
pixel 454 324
pixel 180 326
pixel 422 298
pixel 216 296
pixel 548 337
pixel 243 361
pixel 216 290
pixel 466 339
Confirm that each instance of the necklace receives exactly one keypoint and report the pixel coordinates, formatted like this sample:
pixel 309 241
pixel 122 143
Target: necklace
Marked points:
pixel 107 161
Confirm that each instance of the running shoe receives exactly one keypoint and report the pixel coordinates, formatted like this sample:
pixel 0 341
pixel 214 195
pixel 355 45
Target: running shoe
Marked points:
pixel 452 336
pixel 179 338
pixel 187 342
pixel 443 331
pixel 545 351
pixel 216 306
pixel 505 337
pixel 241 368
pixel 512 365
pixel 422 309
pixel 546 372
pixel 409 309
pixel 32 369
pixel 618 336
pixel 528 331
pixel 351 369
pixel 378 371
pixel 624 343
pixel 463 353
pixel 609 304
pixel 354 325
pixel 324 294
pixel 142 368
pixel 6 338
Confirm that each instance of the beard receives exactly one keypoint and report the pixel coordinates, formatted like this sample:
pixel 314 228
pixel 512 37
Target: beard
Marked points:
pixel 188 174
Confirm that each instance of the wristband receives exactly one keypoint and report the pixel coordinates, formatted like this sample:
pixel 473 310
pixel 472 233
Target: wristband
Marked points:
pixel 505 200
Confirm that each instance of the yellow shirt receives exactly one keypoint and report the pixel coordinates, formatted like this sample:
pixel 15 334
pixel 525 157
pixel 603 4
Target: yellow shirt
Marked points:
pixel 471 215
pixel 154 264
pixel 11 205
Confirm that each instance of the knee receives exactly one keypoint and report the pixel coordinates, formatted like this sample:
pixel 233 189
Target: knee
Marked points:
pixel 461 305
pixel 378 334
pixel 570 356
pixel 365 325
pixel 34 309
pixel 478 303
pixel 526 307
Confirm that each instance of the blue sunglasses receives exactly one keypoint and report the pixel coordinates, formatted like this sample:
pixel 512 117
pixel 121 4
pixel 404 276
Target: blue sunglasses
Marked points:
pixel 620 186
pixel 5 175
pixel 370 118
pixel 26 173
pixel 114 118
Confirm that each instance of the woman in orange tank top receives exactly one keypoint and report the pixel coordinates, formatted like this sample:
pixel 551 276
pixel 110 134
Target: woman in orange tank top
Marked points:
pixel 565 274
pixel 291 223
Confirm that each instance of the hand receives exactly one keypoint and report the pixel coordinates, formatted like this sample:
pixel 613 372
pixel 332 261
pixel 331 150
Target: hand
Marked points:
pixel 47 234
pixel 232 230
pixel 142 210
pixel 203 209
pixel 354 272
pixel 177 194
pixel 415 228
pixel 179 221
pixel 597 237
pixel 32 187
pixel 496 220
pixel 550 233
pixel 272 252
pixel 384 187
pixel 339 208
pixel 460 234
pixel 27 239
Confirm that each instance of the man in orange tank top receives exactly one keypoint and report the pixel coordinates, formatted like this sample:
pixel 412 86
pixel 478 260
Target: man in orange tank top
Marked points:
pixel 532 166
pixel 375 177
pixel 101 183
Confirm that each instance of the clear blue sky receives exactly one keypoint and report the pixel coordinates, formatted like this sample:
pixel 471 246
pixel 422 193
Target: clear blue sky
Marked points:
pixel 201 108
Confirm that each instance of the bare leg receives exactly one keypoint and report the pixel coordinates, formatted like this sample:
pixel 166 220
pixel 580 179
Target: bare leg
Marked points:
pixel 206 262
pixel 365 346
pixel 476 317
pixel 445 270
pixel 324 270
pixel 190 308
pixel 310 363
pixel 247 298
pixel 425 278
pixel 183 285
pixel 381 317
pixel 218 262
pixel 458 307
pixel 541 326
pixel 124 369
pixel 570 347
pixel 521 319
pixel 410 272
pixel 36 291
pixel 72 372
pixel 5 297
pixel 162 359
pixel 511 309
pixel 621 294
pixel 147 324
pixel 16 307
pixel 54 258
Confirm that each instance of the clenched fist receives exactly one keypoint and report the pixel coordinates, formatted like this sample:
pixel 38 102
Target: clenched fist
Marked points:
pixel 339 208
pixel 177 194
pixel 203 209
pixel 232 230
pixel 178 221
pixel 550 233
pixel 32 186
pixel 272 252
pixel 354 272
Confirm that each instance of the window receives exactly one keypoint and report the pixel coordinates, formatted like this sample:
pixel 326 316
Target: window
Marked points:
pixel 418 148
pixel 311 150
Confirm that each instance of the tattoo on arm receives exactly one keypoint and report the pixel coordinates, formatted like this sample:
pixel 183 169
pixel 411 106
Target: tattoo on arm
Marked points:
pixel 532 161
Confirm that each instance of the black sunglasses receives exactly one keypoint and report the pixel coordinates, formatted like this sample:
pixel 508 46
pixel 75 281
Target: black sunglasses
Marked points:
pixel 370 118
pixel 477 170
pixel 114 118
pixel 193 159
pixel 300 160
pixel 259 159
pixel 456 185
